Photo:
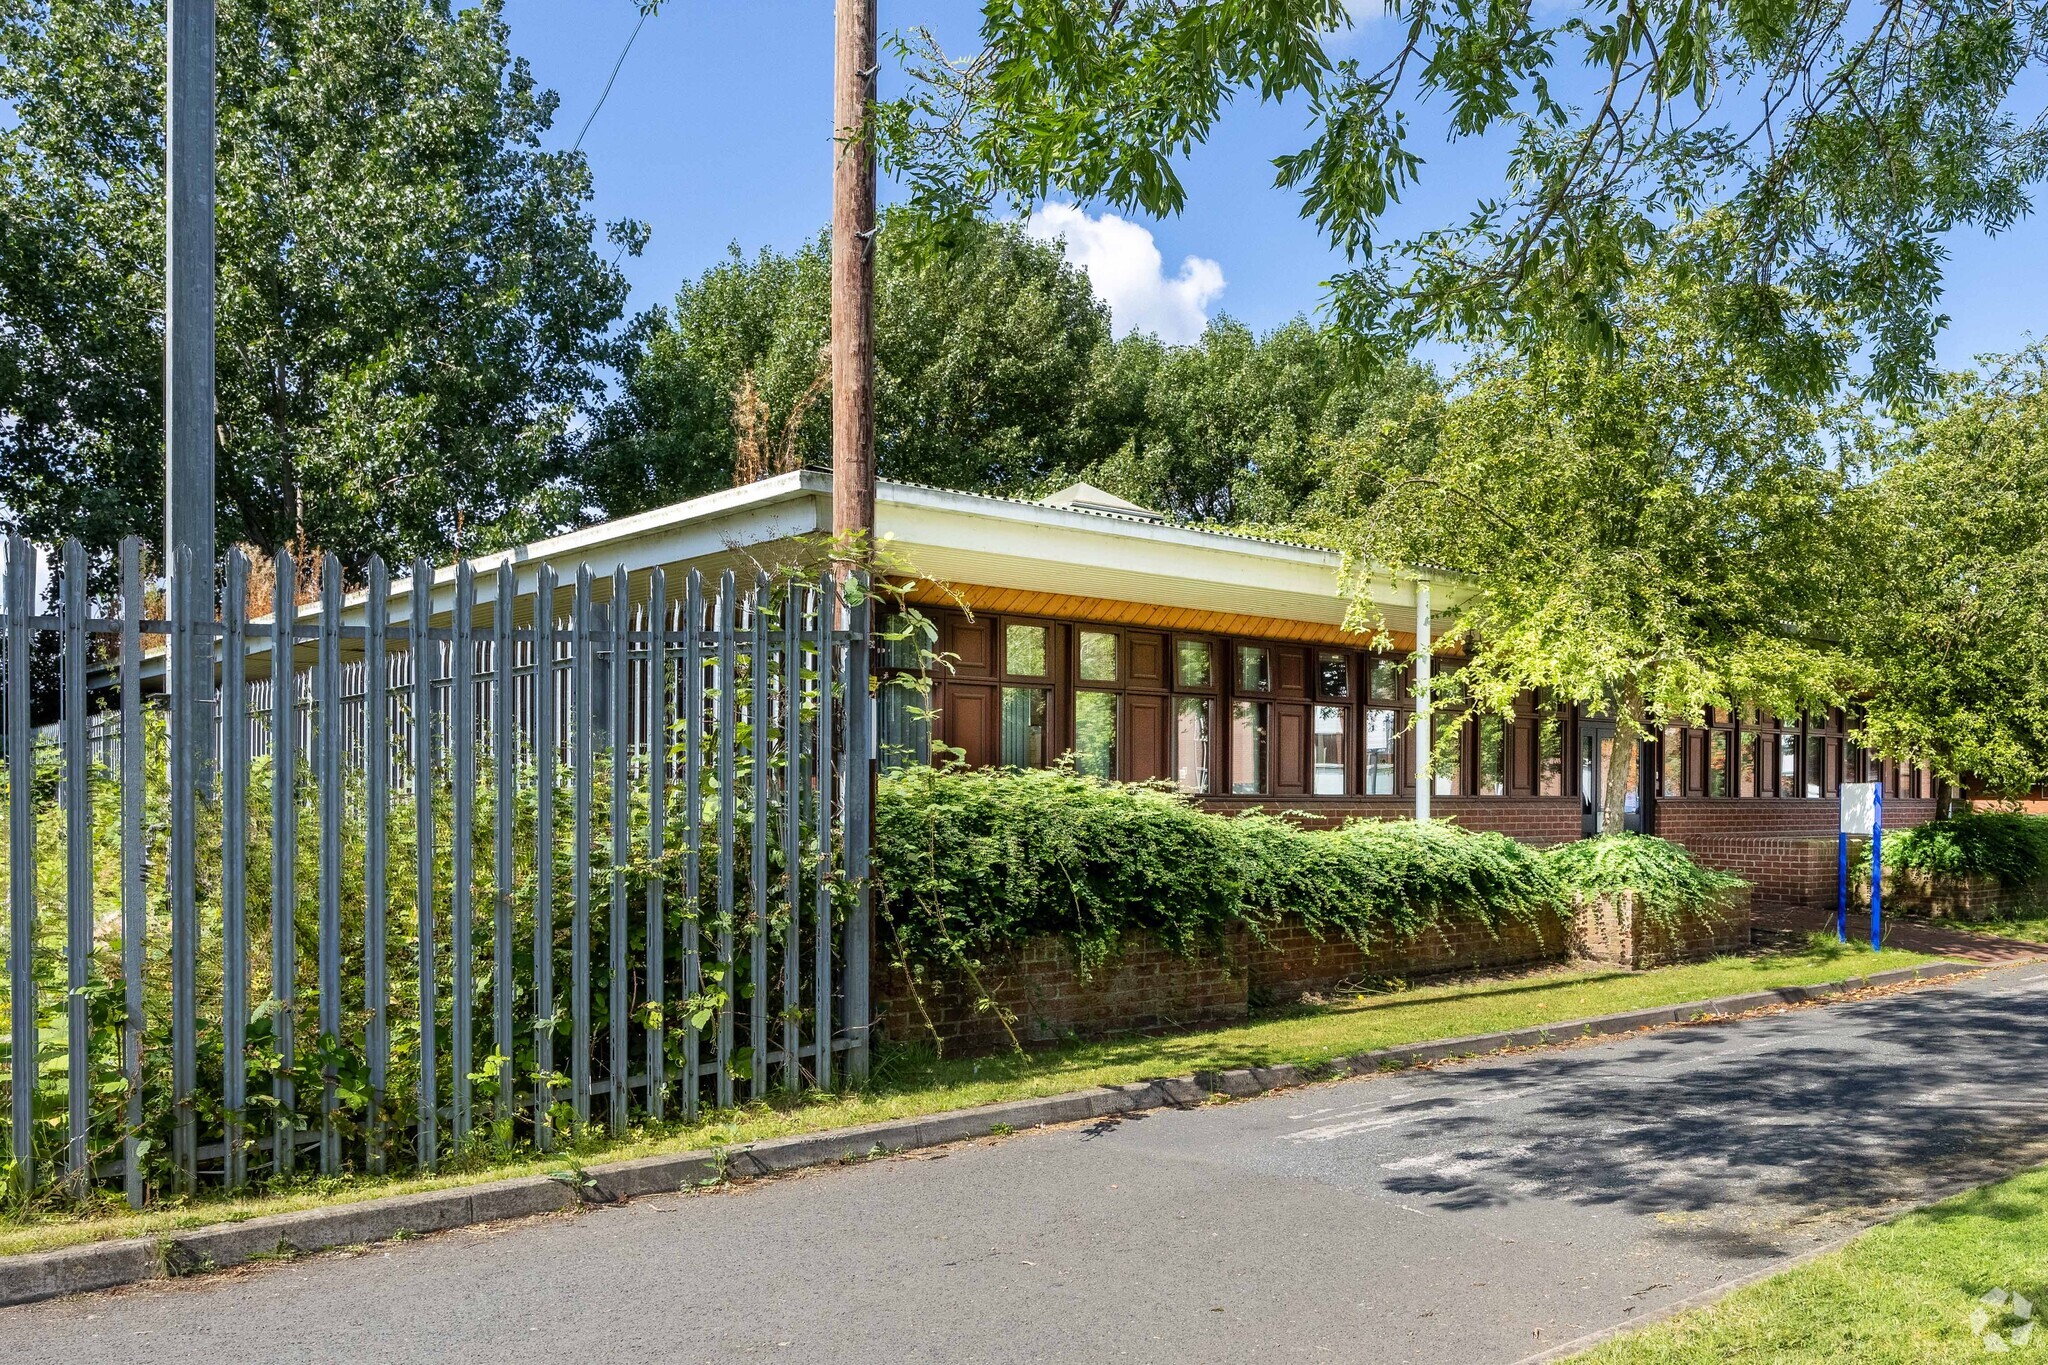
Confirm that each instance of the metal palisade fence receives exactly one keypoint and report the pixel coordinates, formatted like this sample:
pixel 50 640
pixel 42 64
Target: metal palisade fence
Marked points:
pixel 568 853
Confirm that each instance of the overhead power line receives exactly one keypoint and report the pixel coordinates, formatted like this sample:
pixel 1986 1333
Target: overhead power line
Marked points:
pixel 606 93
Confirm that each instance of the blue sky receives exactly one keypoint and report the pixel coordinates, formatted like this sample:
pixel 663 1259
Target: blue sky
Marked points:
pixel 718 130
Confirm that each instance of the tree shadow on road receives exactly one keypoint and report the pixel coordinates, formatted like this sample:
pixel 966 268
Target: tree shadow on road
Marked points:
pixel 1735 1137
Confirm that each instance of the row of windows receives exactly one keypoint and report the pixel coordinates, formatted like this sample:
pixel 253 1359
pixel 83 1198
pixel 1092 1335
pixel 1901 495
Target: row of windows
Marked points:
pixel 1027 653
pixel 1251 718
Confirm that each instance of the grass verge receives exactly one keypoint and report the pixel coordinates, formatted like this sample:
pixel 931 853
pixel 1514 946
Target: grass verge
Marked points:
pixel 2030 925
pixel 1909 1291
pixel 910 1081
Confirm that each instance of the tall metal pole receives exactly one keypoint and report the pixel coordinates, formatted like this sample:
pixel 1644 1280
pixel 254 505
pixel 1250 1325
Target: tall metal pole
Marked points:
pixel 188 506
pixel 853 273
pixel 188 292
pixel 1424 729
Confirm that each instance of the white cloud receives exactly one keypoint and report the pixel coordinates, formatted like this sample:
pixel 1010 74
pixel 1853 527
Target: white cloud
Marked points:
pixel 1124 265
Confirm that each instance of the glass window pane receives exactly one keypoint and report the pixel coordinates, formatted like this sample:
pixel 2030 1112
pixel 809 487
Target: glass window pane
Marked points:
pixel 1248 748
pixel 1095 734
pixel 1493 756
pixel 1191 663
pixel 1254 669
pixel 1449 768
pixel 1024 727
pixel 1024 650
pixel 906 723
pixel 1719 760
pixel 1788 762
pixel 1550 756
pixel 1193 722
pixel 1335 671
pixel 1379 753
pixel 1672 781
pixel 1328 758
pixel 1383 682
pixel 1098 656
pixel 1748 780
pixel 1816 766
pixel 909 650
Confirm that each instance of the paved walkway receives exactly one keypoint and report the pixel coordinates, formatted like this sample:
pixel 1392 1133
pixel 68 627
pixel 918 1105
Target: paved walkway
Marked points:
pixel 1917 935
pixel 1477 1212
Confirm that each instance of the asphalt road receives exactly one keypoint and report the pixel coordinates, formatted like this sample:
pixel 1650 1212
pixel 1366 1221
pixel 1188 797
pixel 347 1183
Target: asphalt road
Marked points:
pixel 1479 1212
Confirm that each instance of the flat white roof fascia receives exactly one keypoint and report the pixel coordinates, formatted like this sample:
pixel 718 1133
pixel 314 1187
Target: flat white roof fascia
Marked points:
pixel 1007 534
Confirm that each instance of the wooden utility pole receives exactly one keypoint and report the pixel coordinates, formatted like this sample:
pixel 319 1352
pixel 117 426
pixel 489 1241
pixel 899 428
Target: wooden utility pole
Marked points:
pixel 853 276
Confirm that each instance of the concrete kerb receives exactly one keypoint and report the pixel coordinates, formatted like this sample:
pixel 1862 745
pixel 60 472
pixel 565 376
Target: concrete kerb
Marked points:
pixel 108 1265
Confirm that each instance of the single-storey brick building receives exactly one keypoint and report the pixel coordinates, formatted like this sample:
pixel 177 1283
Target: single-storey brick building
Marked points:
pixel 1088 626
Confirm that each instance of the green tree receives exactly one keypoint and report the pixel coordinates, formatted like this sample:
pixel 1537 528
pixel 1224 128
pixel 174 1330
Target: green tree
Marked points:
pixel 1844 141
pixel 1646 534
pixel 1957 628
pixel 995 372
pixel 1236 427
pixel 986 343
pixel 412 313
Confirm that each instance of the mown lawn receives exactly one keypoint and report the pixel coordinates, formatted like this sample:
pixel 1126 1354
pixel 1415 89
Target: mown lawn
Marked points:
pixel 909 1081
pixel 1913 1290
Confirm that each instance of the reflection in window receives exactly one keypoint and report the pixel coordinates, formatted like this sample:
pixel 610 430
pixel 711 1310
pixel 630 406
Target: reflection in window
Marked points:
pixel 1098 656
pixel 1191 663
pixel 1671 781
pixel 1095 734
pixel 1024 727
pixel 1383 682
pixel 1328 757
pixel 1449 766
pixel 1816 766
pixel 1024 650
pixel 1254 669
pixel 1335 671
pixel 905 638
pixel 1720 758
pixel 906 725
pixel 1549 755
pixel 1748 777
pixel 1248 747
pixel 1193 722
pixel 1493 756
pixel 1788 762
pixel 1379 753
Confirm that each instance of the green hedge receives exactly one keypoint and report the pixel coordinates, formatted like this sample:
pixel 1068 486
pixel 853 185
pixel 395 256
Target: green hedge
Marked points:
pixel 2009 846
pixel 976 862
pixel 1666 881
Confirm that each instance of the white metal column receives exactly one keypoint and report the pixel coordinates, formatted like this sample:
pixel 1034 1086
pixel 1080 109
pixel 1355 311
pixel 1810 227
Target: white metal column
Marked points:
pixel 1422 724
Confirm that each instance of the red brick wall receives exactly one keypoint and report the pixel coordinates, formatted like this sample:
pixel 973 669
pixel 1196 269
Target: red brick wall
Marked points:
pixel 1779 871
pixel 1684 819
pixel 1785 849
pixel 1616 931
pixel 1042 990
pixel 1293 962
pixel 1150 987
pixel 1909 891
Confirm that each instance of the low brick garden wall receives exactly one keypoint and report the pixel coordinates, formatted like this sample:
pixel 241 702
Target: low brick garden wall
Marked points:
pixel 1909 891
pixel 1148 986
pixel 1293 962
pixel 1615 929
